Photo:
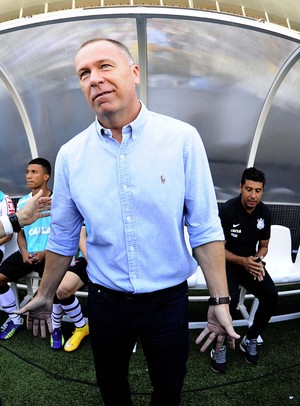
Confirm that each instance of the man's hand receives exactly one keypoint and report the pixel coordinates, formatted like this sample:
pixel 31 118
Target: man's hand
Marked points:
pixel 37 257
pixel 255 267
pixel 39 315
pixel 35 208
pixel 27 258
pixel 219 326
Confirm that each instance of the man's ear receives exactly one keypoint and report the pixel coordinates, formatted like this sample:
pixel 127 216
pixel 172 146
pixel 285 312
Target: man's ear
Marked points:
pixel 137 74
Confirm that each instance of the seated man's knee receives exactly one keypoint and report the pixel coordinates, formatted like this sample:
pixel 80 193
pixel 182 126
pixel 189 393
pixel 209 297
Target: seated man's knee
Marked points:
pixel 63 292
pixel 269 297
pixel 3 279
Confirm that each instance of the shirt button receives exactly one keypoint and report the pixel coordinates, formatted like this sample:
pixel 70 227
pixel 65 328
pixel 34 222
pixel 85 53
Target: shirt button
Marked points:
pixel 125 187
pixel 131 248
pixel 122 157
pixel 128 219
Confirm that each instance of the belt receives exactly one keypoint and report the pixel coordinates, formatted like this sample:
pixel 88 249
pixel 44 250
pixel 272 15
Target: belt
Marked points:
pixel 138 296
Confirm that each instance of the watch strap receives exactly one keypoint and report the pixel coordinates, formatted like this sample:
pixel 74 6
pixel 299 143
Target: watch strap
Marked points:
pixel 213 301
pixel 13 218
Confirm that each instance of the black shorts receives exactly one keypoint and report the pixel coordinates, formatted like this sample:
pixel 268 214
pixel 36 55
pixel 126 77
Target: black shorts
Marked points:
pixel 14 268
pixel 79 268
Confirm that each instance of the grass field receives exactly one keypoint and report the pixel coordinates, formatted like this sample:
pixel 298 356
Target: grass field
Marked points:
pixel 32 374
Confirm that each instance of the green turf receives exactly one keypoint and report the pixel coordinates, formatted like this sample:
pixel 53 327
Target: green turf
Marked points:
pixel 33 374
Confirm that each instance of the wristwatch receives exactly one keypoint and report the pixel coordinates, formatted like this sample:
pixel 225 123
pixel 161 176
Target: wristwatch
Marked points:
pixel 13 218
pixel 213 301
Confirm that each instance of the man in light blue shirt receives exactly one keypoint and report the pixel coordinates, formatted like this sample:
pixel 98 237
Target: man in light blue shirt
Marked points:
pixel 137 178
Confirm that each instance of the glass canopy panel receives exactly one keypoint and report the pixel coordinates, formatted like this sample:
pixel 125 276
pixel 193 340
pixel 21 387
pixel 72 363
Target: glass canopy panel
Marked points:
pixel 211 74
pixel 279 147
pixel 14 147
pixel 216 77
pixel 41 69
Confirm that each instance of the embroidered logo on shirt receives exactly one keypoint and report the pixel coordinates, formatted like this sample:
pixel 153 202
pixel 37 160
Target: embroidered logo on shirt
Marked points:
pixel 162 179
pixel 260 224
pixel 234 232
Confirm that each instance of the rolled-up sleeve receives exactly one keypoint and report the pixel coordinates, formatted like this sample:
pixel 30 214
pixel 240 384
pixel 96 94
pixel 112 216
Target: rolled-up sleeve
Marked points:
pixel 201 207
pixel 66 219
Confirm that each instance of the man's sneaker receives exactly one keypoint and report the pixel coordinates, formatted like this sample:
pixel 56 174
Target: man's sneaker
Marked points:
pixel 57 339
pixel 249 347
pixel 8 329
pixel 77 336
pixel 219 360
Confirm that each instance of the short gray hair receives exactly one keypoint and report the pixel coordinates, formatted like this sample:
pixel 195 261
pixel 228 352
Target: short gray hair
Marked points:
pixel 118 44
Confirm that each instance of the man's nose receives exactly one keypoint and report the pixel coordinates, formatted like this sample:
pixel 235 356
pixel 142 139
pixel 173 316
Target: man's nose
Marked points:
pixel 95 78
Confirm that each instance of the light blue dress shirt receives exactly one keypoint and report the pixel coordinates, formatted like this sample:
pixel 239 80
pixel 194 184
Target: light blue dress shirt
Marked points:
pixel 135 197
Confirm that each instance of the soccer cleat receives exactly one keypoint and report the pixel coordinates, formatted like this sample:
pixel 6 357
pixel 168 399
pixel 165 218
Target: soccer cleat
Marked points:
pixel 219 360
pixel 8 329
pixel 249 347
pixel 77 336
pixel 57 339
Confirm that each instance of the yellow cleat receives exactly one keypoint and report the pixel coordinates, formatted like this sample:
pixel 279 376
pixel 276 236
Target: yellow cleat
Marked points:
pixel 77 336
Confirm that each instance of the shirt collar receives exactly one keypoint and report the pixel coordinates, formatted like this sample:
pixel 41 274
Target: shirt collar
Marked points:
pixel 136 126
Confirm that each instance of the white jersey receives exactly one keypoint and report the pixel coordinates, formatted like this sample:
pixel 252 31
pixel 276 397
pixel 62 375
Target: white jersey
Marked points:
pixel 6 207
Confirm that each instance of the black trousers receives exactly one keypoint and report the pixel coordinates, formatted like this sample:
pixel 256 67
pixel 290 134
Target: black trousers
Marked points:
pixel 265 291
pixel 14 268
pixel 160 321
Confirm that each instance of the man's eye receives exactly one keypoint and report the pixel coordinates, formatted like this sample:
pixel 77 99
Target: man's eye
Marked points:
pixel 106 66
pixel 83 74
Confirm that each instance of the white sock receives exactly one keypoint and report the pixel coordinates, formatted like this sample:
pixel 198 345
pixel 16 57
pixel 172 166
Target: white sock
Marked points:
pixel 73 311
pixel 57 315
pixel 8 303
